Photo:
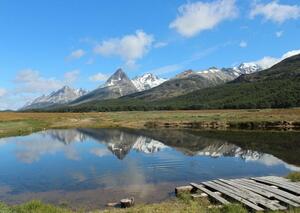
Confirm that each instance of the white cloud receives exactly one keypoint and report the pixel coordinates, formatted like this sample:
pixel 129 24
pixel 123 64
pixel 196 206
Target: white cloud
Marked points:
pixel 279 34
pixel 276 12
pixel 100 152
pixel 28 84
pixel 2 92
pixel 30 81
pixel 130 47
pixel 160 44
pixel 99 77
pixel 196 17
pixel 166 69
pixel 290 53
pixel 243 44
pixel 76 54
pixel 267 62
pixel 72 76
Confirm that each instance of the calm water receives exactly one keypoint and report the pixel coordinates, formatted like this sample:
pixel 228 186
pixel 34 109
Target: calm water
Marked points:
pixel 90 167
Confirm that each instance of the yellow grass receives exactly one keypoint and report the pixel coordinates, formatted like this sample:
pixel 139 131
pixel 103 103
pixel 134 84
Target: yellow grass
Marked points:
pixel 21 123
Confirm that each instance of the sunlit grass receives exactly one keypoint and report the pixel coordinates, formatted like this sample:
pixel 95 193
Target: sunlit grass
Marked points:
pixel 294 176
pixel 24 123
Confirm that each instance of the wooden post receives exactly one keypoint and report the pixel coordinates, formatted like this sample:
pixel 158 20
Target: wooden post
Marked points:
pixel 127 202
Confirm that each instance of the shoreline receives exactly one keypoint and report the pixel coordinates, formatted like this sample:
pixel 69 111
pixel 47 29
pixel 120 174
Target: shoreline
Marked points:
pixel 183 202
pixel 13 124
pixel 17 123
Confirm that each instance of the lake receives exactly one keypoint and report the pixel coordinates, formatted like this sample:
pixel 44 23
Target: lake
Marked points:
pixel 90 167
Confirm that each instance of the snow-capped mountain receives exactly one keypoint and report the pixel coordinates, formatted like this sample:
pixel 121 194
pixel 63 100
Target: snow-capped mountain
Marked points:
pixel 148 145
pixel 116 86
pixel 118 78
pixel 61 96
pixel 231 150
pixel 140 144
pixel 218 75
pixel 65 136
pixel 247 68
pixel 224 74
pixel 147 81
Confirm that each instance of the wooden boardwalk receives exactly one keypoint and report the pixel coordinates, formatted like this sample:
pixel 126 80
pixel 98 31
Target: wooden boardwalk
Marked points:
pixel 259 194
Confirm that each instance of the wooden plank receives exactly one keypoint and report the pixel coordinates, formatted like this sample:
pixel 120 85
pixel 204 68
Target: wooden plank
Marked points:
pixel 251 188
pixel 210 193
pixel 280 185
pixel 232 195
pixel 268 193
pixel 271 189
pixel 251 196
pixel 263 192
pixel 283 181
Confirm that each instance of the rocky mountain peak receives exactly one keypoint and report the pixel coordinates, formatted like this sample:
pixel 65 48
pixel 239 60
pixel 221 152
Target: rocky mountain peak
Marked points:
pixel 185 74
pixel 147 81
pixel 61 96
pixel 248 68
pixel 118 77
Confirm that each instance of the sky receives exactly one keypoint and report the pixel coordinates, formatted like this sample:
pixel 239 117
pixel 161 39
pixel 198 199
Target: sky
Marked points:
pixel 47 44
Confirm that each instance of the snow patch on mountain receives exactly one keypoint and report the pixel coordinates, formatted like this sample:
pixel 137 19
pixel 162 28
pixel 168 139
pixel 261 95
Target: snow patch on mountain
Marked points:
pixel 147 81
pixel 147 145
pixel 228 74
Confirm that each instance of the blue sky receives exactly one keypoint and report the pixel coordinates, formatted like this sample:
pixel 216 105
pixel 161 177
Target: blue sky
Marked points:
pixel 46 44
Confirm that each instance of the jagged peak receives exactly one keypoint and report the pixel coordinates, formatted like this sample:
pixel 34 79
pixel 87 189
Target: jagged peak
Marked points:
pixel 185 73
pixel 147 81
pixel 118 76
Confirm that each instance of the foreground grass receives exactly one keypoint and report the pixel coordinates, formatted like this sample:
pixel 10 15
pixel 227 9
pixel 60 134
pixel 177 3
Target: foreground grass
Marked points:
pixel 184 203
pixel 176 206
pixel 24 123
pixel 294 176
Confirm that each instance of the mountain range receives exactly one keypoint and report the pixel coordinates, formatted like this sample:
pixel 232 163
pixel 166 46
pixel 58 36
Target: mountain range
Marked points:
pixel 121 142
pixel 147 86
pixel 244 86
pixel 116 86
pixel 275 87
pixel 59 97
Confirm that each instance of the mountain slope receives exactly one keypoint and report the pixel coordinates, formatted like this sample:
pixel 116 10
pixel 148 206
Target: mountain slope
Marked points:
pixel 276 87
pixel 190 80
pixel 116 86
pixel 173 87
pixel 61 96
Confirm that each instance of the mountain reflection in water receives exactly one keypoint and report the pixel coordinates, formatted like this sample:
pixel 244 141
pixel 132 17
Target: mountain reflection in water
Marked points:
pixel 136 161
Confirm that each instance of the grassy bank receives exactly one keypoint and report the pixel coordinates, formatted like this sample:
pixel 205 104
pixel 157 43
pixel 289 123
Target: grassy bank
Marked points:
pixel 23 123
pixel 179 205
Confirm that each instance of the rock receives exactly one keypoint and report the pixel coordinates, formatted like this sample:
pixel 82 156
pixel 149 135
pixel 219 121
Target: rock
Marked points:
pixel 183 189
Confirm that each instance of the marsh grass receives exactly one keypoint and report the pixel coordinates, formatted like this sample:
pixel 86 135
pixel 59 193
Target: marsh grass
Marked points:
pixel 16 123
pixel 294 176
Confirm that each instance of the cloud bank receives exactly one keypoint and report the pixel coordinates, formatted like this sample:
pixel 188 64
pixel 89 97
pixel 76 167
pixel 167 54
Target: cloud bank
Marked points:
pixel 276 12
pixel 267 61
pixel 129 47
pixel 194 18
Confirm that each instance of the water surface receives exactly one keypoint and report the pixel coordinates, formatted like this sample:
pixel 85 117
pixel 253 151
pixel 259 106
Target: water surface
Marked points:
pixel 90 167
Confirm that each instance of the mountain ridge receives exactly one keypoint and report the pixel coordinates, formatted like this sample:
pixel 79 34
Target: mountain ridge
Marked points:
pixel 116 86
pixel 61 96
pixel 276 87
